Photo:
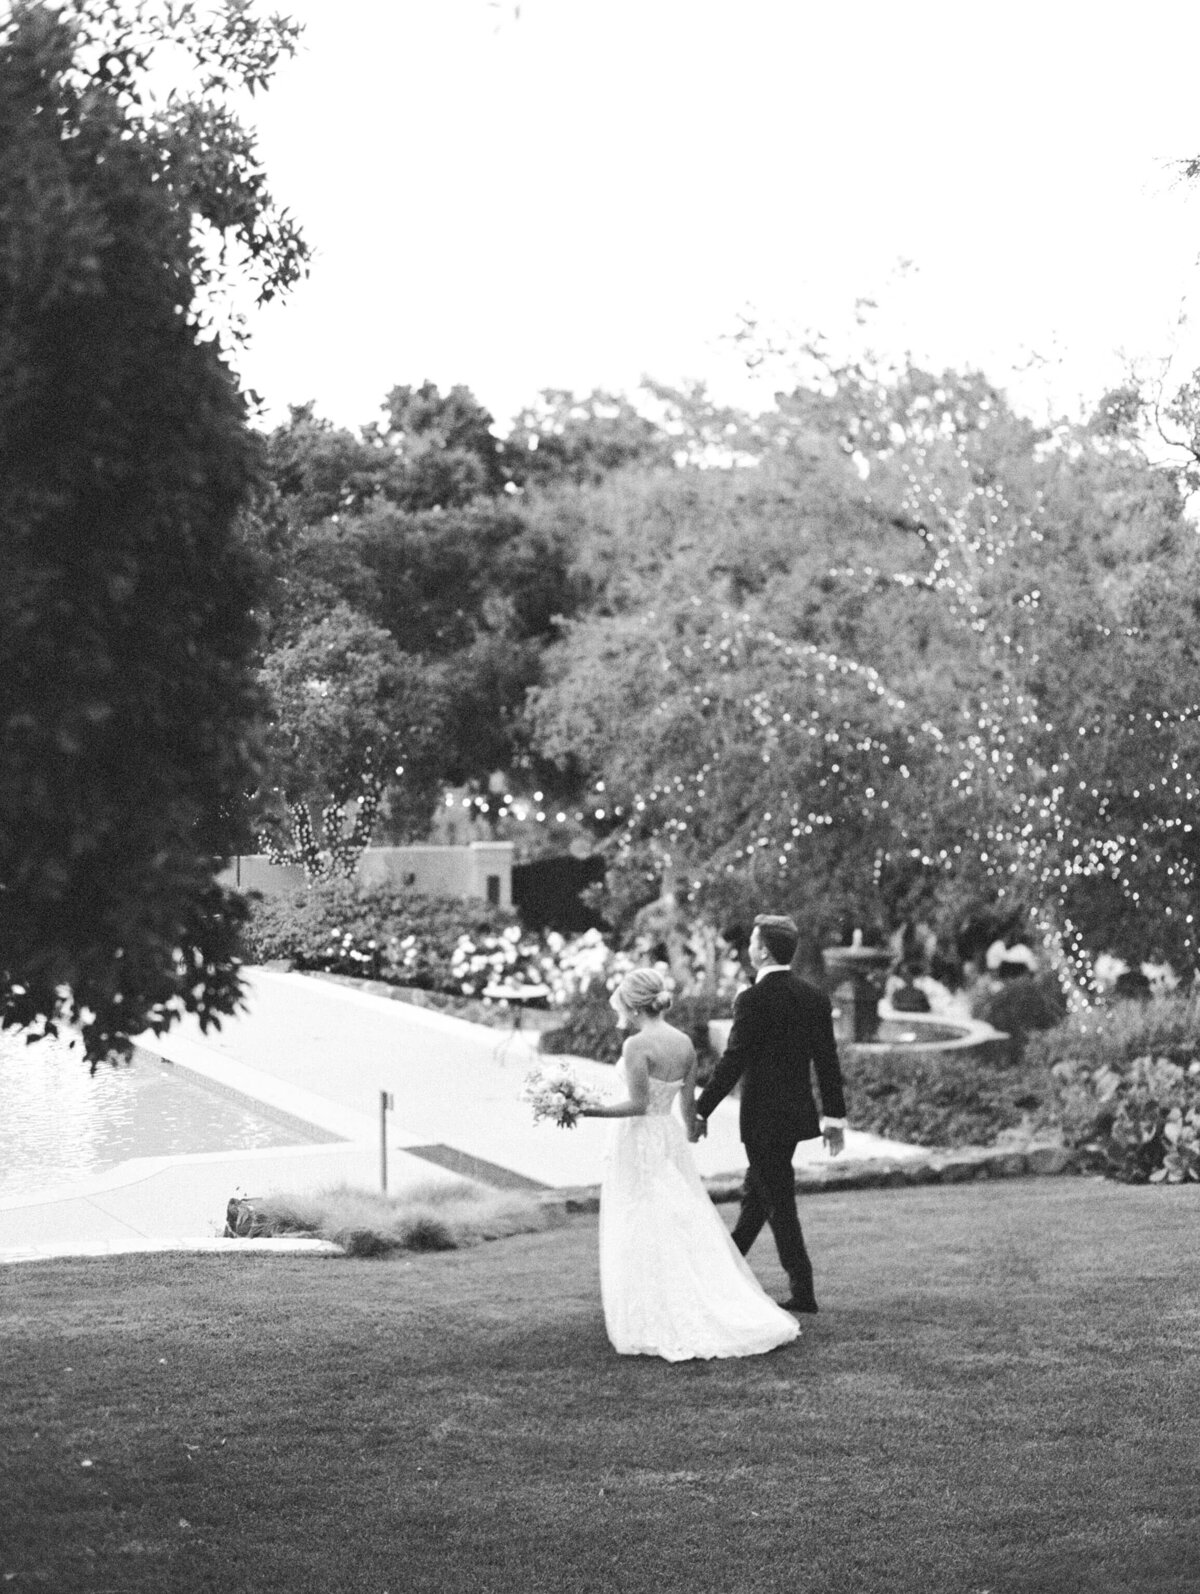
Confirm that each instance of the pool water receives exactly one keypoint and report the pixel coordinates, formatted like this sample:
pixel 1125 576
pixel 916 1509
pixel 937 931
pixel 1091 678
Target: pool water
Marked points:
pixel 59 1124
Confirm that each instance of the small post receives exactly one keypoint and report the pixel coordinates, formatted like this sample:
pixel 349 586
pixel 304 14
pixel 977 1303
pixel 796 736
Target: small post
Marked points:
pixel 386 1100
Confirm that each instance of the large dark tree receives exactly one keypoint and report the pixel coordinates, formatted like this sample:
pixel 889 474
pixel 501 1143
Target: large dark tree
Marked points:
pixel 128 702
pixel 409 527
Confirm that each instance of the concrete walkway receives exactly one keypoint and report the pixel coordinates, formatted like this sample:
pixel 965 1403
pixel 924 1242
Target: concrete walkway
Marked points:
pixel 322 1053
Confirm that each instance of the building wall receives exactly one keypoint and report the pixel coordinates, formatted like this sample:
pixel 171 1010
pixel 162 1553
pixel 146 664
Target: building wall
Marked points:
pixel 481 869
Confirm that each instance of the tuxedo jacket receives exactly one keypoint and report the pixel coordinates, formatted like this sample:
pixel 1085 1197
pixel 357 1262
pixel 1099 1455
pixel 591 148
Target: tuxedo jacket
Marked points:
pixel 782 1032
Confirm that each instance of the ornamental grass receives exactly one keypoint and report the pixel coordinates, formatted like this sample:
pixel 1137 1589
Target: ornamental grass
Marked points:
pixel 440 1215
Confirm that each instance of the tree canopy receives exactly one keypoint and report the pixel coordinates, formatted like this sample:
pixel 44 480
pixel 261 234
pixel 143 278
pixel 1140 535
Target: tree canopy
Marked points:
pixel 128 705
pixel 944 657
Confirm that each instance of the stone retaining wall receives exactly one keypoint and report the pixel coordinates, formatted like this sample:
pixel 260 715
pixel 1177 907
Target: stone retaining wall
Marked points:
pixel 939 1167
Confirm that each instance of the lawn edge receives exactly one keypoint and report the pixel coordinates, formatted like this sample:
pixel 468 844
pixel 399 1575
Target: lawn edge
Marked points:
pixel 938 1167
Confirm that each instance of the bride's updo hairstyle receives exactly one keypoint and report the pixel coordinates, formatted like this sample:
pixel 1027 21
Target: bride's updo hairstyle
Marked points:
pixel 643 991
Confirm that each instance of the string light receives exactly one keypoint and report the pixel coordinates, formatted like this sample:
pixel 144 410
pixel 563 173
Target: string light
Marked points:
pixel 1034 806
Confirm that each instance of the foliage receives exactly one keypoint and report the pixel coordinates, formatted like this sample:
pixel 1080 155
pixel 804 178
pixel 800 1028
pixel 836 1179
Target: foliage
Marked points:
pixel 1139 1123
pixel 510 957
pixel 1112 1035
pixel 1021 1006
pixel 127 699
pixel 407 526
pixel 589 1029
pixel 567 438
pixel 377 932
pixel 1127 1087
pixel 952 655
pixel 449 945
pixel 965 1097
pixel 441 1215
pixel 345 705
pixel 443 444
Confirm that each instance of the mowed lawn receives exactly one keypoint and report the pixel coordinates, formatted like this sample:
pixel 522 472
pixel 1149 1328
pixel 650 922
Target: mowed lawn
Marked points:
pixel 1002 1393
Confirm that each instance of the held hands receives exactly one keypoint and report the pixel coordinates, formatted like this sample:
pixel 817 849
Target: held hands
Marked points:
pixel 698 1130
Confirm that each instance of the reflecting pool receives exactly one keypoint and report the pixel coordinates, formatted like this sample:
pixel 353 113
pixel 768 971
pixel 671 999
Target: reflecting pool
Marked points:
pixel 58 1123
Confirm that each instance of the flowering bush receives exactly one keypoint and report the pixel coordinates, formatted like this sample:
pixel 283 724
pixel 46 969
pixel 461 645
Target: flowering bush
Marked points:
pixel 443 944
pixel 376 932
pixel 509 958
pixel 586 964
pixel 458 949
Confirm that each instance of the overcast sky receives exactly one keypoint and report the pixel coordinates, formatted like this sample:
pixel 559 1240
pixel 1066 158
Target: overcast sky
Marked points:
pixel 593 189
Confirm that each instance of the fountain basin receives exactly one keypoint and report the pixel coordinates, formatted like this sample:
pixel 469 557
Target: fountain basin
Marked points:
pixel 925 1032
pixel 931 1032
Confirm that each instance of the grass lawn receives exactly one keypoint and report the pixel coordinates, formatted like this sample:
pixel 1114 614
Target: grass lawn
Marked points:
pixel 1002 1393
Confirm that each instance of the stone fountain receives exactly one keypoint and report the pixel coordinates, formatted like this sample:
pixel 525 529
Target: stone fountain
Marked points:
pixel 856 976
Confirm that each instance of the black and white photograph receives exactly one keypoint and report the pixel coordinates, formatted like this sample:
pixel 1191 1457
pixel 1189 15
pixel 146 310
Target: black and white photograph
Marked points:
pixel 599 797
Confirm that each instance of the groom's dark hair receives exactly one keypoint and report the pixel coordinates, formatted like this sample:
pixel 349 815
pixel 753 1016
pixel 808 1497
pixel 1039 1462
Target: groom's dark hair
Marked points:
pixel 779 935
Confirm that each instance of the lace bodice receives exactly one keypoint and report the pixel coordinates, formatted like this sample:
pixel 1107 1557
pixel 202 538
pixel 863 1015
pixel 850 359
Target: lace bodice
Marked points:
pixel 662 1093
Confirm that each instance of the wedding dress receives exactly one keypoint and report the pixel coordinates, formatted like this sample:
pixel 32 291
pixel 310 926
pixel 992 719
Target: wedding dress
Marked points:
pixel 672 1281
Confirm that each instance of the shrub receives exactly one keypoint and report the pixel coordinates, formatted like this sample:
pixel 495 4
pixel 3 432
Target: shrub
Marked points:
pixel 966 1097
pixel 589 1029
pixel 508 957
pixel 1116 1034
pixel 1024 1006
pixel 1126 1088
pixel 380 932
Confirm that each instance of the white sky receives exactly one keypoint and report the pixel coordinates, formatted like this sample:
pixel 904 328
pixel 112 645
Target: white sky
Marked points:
pixel 594 190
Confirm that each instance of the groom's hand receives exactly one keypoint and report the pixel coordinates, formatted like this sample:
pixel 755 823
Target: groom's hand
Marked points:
pixel 835 1140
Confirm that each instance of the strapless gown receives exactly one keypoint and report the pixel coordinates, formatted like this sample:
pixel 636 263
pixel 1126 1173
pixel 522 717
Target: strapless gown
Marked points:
pixel 672 1282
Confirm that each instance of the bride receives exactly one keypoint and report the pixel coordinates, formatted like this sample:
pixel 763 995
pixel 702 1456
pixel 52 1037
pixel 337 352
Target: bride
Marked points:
pixel 672 1281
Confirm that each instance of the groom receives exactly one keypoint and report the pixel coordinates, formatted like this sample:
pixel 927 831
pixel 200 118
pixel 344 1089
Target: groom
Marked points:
pixel 782 1030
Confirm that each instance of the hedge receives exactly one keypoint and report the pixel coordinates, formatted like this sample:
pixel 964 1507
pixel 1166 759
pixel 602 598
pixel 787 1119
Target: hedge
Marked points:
pixel 380 932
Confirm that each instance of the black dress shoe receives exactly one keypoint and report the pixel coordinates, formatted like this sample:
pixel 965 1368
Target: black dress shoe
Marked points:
pixel 800 1303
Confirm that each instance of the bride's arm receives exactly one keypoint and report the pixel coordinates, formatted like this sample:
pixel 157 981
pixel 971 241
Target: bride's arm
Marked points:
pixel 687 1096
pixel 638 1076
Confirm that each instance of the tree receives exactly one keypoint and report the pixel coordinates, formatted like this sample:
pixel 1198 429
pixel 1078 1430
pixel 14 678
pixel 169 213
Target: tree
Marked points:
pixel 443 445
pixel 565 438
pixel 350 714
pixel 955 665
pixel 470 592
pixel 128 706
pixel 321 471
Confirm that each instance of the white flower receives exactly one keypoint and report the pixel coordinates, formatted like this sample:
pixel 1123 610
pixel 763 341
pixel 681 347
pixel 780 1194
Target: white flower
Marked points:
pixel 1162 977
pixel 555 1093
pixel 1107 970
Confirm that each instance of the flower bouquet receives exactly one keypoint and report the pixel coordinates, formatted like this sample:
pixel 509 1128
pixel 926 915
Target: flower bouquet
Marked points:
pixel 555 1093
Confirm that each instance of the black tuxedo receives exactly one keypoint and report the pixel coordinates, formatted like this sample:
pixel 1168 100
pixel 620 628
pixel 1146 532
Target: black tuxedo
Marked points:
pixel 782 1033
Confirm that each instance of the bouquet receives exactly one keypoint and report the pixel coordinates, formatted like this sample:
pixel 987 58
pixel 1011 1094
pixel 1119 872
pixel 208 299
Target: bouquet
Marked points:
pixel 555 1093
